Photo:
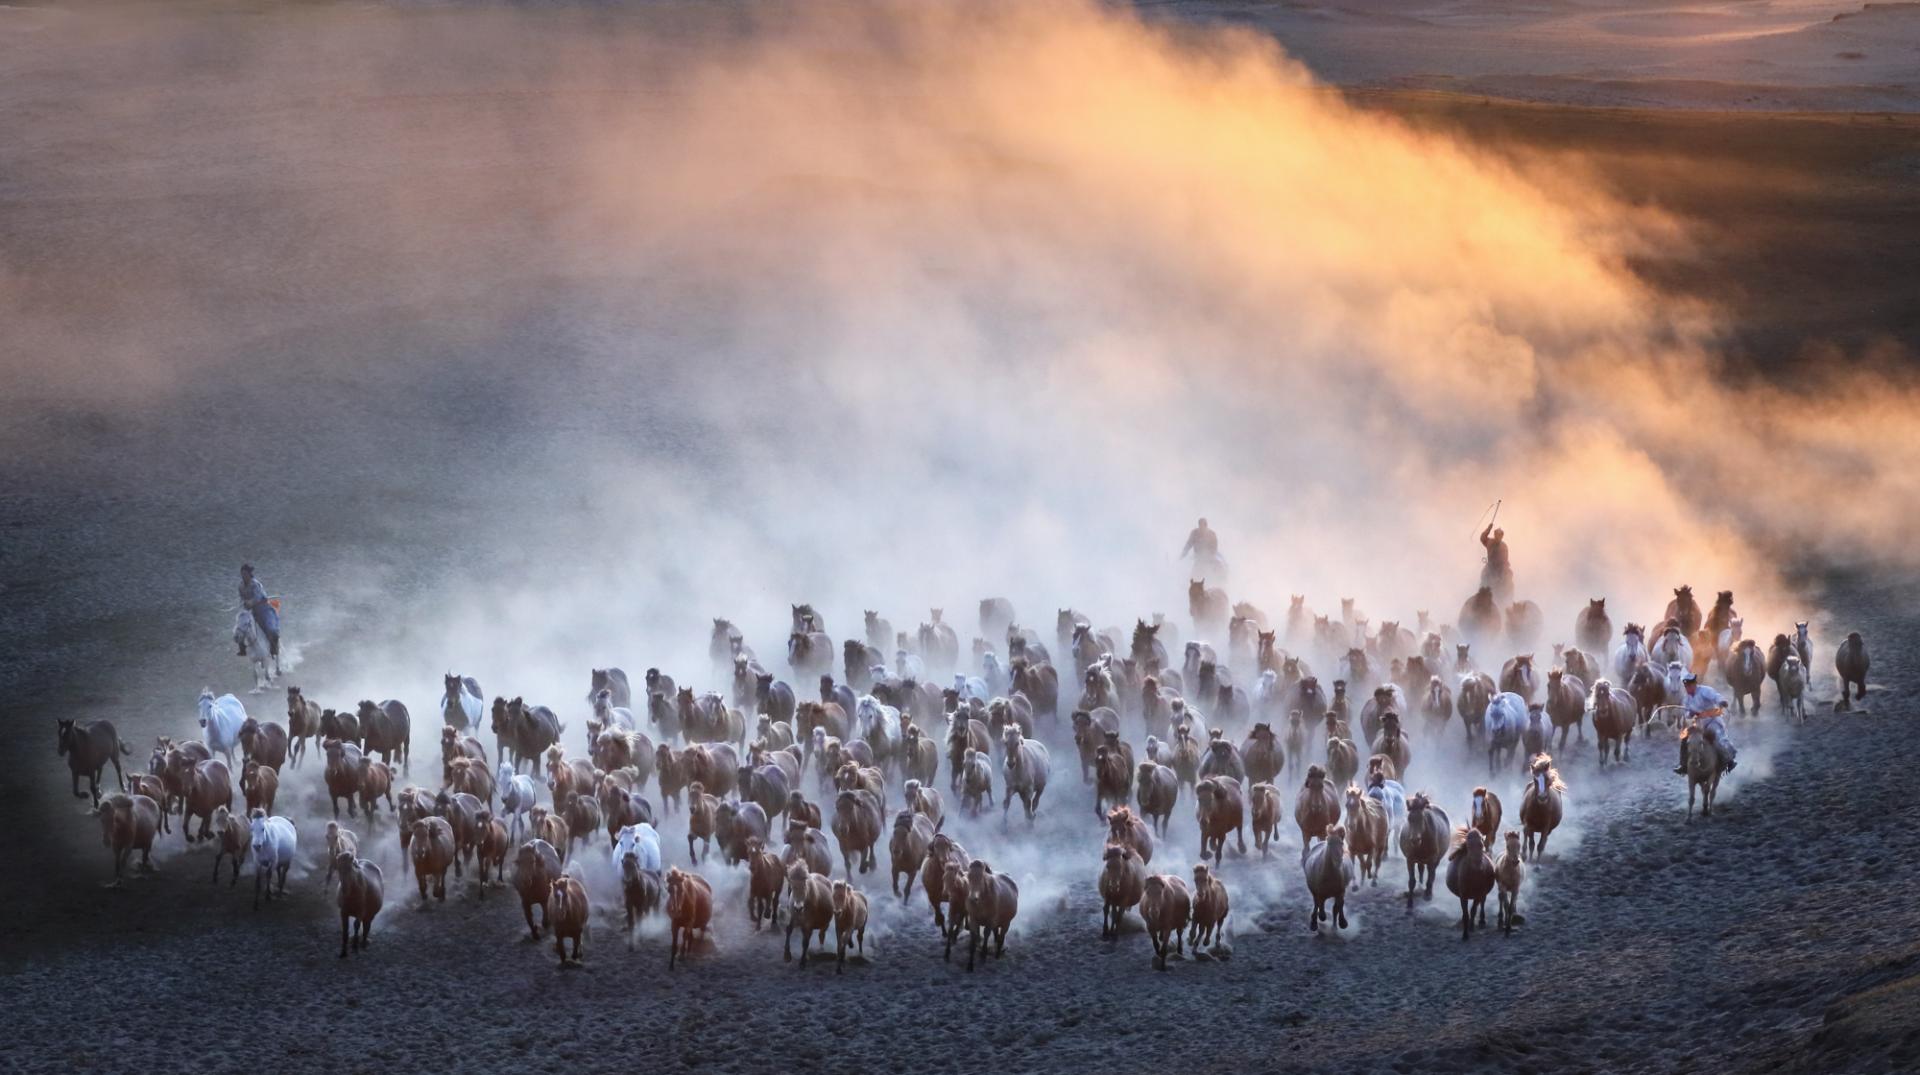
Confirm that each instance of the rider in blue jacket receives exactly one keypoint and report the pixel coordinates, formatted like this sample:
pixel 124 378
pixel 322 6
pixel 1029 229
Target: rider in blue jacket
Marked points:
pixel 253 598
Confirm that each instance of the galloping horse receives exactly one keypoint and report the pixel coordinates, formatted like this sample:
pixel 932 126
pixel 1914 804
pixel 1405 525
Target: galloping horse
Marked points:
pixel 247 634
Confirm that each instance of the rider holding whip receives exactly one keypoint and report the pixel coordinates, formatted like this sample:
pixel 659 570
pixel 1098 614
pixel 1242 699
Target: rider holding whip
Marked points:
pixel 1497 575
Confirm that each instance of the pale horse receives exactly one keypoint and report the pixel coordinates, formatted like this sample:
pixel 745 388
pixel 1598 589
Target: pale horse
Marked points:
pixel 266 666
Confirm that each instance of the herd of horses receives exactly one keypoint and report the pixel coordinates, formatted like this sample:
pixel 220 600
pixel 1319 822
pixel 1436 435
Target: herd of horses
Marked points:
pixel 842 749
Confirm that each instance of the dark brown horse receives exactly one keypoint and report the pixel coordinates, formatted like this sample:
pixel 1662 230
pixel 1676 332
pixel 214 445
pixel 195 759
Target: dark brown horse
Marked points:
pixel 88 748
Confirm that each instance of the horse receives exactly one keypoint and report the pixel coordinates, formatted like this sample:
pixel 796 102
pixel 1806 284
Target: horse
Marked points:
pixel 1793 688
pixel 1391 795
pixel 1630 654
pixel 265 665
pixel 1672 647
pixel 1675 683
pixel 1480 616
pixel 463 704
pixel 1146 649
pixel 1484 812
pixel 1592 629
pixel 222 718
pixel 1328 878
pixel 88 748
pixel 809 653
pixel 1534 738
pixel 723 644
pixel 1851 663
pixel 1746 670
pixel 531 729
pixel 609 717
pixel 273 847
pixel 1614 716
pixel 1367 821
pixel 610 679
pixel 1684 611
pixel 1437 705
pixel 1541 806
pixel 1566 702
pixel 1470 877
pixel 1705 762
pixel 1475 694
pixel 1422 842
pixel 1509 872
pixel 517 796
pixel 1506 719
pixel 1649 690
pixel 1392 744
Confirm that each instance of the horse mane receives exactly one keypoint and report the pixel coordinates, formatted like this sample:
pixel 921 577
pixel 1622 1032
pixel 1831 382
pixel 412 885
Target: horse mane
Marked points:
pixel 1461 833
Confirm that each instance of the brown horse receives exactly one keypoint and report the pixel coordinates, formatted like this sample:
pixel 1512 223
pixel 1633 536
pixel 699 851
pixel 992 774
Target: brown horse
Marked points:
pixel 1614 717
pixel 1541 806
pixel 1705 760
pixel 1366 827
pixel 88 748
pixel 1316 806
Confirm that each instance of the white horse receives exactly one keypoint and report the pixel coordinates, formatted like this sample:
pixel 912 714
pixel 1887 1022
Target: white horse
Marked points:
pixel 265 665
pixel 997 679
pixel 607 715
pixel 1673 710
pixel 971 687
pixel 1672 647
pixel 1729 637
pixel 879 725
pixel 1267 702
pixel 1179 713
pixel 1793 687
pixel 1506 720
pixel 517 794
pixel 1392 795
pixel 908 665
pixel 273 847
pixel 1629 655
pixel 640 841
pixel 464 692
pixel 222 718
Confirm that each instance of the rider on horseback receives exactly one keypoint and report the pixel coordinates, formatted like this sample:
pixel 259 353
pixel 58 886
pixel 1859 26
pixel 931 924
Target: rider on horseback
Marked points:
pixel 1202 542
pixel 1706 708
pixel 1498 574
pixel 253 598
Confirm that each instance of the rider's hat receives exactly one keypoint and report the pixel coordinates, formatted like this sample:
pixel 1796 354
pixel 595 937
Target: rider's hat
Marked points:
pixel 246 567
pixel 1690 678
